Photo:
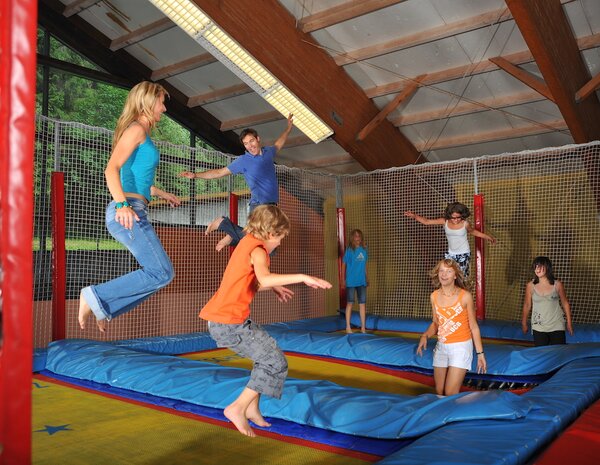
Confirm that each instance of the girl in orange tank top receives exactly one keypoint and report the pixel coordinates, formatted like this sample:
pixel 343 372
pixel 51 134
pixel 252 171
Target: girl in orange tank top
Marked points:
pixel 455 324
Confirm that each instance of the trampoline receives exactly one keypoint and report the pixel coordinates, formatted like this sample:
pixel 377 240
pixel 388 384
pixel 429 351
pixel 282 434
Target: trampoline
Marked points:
pixel 348 399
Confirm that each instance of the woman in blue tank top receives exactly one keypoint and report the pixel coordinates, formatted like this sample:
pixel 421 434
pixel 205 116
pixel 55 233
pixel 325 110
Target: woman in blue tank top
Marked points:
pixel 130 176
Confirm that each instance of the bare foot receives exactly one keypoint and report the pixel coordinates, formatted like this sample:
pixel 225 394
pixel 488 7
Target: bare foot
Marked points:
pixel 236 416
pixel 84 313
pixel 254 415
pixel 214 225
pixel 223 243
pixel 348 331
pixel 363 330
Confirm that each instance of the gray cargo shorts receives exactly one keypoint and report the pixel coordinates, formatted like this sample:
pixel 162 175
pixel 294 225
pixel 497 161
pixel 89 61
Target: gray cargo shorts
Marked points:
pixel 251 341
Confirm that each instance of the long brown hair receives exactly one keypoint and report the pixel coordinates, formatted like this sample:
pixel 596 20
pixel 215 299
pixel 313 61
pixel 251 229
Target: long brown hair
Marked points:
pixel 140 102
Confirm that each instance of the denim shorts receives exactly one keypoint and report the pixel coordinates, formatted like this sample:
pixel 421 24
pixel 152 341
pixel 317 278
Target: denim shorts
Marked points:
pixel 455 354
pixel 361 292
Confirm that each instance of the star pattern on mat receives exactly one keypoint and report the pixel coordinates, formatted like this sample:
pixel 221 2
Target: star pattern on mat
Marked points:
pixel 53 429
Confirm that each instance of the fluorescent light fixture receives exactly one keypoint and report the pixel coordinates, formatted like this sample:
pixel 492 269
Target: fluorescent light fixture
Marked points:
pixel 203 30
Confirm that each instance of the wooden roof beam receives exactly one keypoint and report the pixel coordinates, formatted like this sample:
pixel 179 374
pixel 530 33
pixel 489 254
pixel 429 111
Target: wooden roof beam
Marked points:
pixel 588 88
pixel 406 93
pixel 219 94
pixel 472 69
pixel 142 33
pixel 525 77
pixel 287 53
pixel 493 136
pixel 183 66
pixel 78 6
pixel 429 35
pixel 343 12
pixel 547 32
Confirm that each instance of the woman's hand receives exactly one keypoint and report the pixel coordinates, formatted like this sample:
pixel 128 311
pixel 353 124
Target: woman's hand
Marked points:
pixel 187 174
pixel 422 344
pixel 316 283
pixel 126 216
pixel 167 196
pixel 481 363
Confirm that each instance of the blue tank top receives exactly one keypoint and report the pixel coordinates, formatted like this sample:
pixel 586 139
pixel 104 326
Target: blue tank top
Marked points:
pixel 137 174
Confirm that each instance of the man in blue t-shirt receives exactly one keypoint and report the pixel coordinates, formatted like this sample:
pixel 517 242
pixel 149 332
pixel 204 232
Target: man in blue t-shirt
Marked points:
pixel 258 168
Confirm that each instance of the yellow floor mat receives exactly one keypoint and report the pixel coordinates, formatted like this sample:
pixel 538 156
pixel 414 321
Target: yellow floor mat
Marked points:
pixel 72 426
pixel 304 367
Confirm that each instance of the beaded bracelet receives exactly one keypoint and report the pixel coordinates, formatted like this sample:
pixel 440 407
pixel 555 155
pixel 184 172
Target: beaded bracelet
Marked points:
pixel 122 205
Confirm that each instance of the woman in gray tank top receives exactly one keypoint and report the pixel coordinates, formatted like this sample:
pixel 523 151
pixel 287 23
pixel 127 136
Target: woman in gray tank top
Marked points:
pixel 547 296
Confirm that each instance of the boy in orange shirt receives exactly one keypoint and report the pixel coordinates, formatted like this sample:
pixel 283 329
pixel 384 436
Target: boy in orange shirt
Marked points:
pixel 228 312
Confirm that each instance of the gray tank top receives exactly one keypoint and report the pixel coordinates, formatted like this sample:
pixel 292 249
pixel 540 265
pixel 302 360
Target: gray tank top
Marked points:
pixel 547 314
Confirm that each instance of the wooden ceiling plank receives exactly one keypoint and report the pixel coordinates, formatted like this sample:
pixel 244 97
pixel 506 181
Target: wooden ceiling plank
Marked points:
pixel 430 35
pixel 219 94
pixel 587 89
pixel 472 69
pixel 525 77
pixel 251 120
pixel 78 6
pixel 547 32
pixel 467 108
pixel 183 66
pixel 296 141
pixel 142 33
pixel 423 37
pixel 343 12
pixel 407 92
pixel 327 89
pixel 493 136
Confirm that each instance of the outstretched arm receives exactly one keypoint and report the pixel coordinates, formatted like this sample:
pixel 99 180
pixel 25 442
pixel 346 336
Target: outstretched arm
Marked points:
pixel 423 220
pixel 209 174
pixel 271 280
pixel 477 233
pixel 280 142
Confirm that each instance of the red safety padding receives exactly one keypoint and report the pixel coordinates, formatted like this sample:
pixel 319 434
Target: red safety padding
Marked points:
pixel 579 444
pixel 18 32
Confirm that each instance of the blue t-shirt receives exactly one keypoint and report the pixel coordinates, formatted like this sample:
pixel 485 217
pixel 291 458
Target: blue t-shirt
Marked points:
pixel 259 173
pixel 137 173
pixel 356 266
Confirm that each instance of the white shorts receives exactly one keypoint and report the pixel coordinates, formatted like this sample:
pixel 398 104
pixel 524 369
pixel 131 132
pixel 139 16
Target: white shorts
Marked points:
pixel 455 354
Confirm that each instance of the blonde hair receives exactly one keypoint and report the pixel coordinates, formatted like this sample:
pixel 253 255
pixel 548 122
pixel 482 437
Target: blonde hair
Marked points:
pixel 267 219
pixel 140 102
pixel 448 263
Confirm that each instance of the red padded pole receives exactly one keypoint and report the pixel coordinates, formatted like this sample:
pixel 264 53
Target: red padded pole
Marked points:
pixel 59 257
pixel 479 259
pixel 18 30
pixel 341 233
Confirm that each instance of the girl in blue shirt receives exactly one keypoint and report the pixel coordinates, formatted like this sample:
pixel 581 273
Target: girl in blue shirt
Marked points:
pixel 355 275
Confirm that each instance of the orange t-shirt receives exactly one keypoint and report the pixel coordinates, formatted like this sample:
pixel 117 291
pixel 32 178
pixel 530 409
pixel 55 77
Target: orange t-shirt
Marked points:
pixel 453 321
pixel 231 302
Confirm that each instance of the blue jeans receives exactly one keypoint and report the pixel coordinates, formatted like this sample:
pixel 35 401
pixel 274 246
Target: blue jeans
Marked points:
pixel 235 231
pixel 361 292
pixel 115 297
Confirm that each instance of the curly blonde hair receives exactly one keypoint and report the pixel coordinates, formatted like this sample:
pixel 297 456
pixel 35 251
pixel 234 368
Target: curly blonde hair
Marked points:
pixel 448 263
pixel 140 102
pixel 267 219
